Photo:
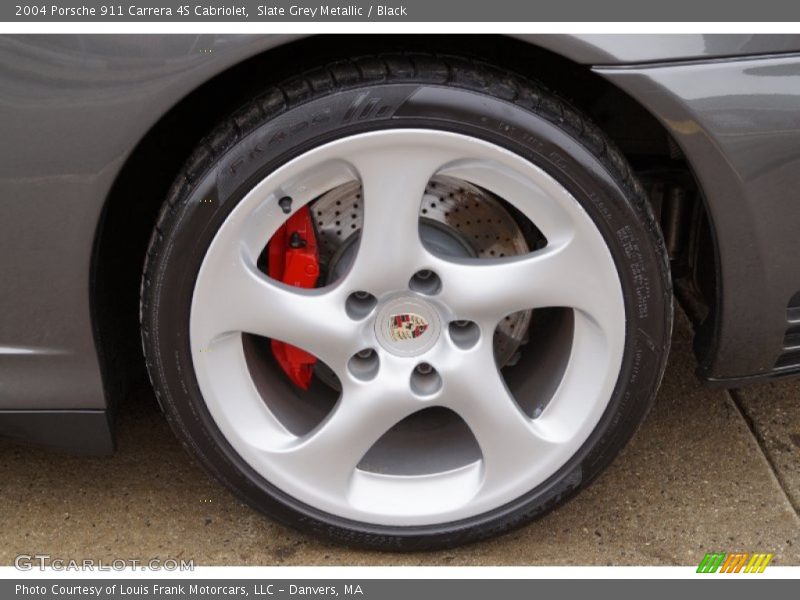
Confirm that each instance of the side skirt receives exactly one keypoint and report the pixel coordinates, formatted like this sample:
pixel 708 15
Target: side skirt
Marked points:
pixel 71 431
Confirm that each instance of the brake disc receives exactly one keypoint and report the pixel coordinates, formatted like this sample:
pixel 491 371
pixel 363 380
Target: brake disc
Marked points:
pixel 477 225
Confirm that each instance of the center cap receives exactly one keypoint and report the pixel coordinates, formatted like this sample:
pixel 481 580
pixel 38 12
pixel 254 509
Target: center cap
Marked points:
pixel 407 326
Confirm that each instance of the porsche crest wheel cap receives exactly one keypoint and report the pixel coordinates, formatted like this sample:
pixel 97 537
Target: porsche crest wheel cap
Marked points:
pixel 407 326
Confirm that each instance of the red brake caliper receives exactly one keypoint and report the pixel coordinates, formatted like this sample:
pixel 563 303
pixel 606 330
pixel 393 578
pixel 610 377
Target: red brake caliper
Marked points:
pixel 293 259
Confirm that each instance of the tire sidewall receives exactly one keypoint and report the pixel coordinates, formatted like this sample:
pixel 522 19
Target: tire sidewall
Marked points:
pixel 202 205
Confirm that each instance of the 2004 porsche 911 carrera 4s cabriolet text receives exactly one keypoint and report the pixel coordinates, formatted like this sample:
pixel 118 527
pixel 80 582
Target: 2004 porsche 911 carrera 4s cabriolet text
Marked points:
pixel 404 292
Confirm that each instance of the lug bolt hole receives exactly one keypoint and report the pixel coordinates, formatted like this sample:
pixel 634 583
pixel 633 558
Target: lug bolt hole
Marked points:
pixel 425 282
pixel 360 304
pixel 424 368
pixel 364 364
pixel 465 334
pixel 425 380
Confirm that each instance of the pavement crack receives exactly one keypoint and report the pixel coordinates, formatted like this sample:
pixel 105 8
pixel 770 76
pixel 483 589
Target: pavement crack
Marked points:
pixel 762 446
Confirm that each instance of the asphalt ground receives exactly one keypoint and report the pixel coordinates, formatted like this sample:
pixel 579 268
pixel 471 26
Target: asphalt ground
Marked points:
pixel 709 470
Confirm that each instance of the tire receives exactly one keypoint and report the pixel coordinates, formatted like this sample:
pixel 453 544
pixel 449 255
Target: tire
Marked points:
pixel 447 102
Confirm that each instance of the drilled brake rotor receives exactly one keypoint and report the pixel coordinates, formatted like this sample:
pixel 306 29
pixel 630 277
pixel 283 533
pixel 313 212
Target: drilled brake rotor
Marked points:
pixel 476 222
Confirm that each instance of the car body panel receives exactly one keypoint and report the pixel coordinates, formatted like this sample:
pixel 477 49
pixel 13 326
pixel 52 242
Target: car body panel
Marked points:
pixel 73 108
pixel 604 49
pixel 738 122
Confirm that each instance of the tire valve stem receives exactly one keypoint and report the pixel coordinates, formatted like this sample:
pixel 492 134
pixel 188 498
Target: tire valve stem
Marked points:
pixel 286 204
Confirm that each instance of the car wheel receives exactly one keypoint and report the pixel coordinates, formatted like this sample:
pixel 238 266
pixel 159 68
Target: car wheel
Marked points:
pixel 406 302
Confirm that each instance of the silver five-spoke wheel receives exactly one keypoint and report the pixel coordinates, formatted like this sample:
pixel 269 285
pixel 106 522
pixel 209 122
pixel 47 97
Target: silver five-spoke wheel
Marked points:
pixel 321 467
pixel 406 302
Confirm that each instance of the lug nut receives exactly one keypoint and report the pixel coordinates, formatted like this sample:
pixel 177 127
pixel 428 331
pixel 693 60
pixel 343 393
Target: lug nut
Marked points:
pixel 364 365
pixel 464 333
pixel 425 381
pixel 426 282
pixel 424 369
pixel 360 304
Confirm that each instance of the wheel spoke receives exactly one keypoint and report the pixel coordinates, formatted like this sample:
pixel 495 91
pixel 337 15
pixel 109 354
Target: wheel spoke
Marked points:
pixel 327 457
pixel 559 275
pixel 393 185
pixel 590 374
pixel 507 437
pixel 242 299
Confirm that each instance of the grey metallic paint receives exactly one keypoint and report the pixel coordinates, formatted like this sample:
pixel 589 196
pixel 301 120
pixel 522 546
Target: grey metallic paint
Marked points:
pixel 73 108
pixel 738 122
pixel 604 49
